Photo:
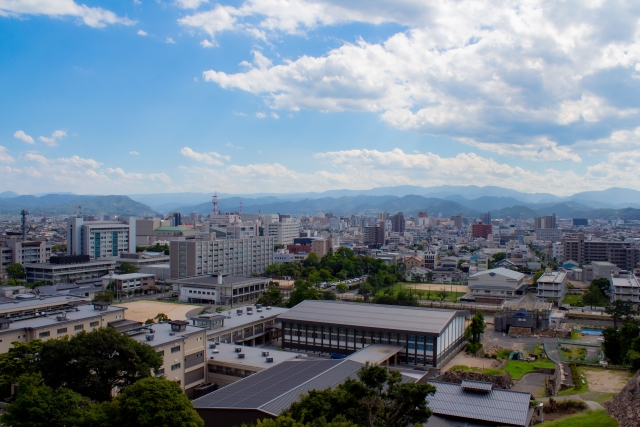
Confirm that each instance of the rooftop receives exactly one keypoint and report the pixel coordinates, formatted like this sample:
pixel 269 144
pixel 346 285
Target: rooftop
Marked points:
pixel 625 281
pixel 253 359
pixel 528 303
pixel 162 333
pixel 375 353
pixel 167 228
pixel 509 274
pixel 88 264
pixel 236 321
pixel 128 276
pixel 226 280
pixel 377 316
pixel 552 277
pixel 503 407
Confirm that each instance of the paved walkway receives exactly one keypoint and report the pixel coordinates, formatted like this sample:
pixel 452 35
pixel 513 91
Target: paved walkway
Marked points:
pixel 595 406
pixel 531 383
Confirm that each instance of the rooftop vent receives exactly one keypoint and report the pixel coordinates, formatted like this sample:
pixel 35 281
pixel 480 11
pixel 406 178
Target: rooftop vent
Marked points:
pixel 238 349
pixel 259 310
pixel 239 312
pixel 477 386
pixel 268 308
pixel 265 353
pixel 61 317
pixel 211 357
pixel 149 337
pixel 269 359
pixel 212 345
pixel 240 355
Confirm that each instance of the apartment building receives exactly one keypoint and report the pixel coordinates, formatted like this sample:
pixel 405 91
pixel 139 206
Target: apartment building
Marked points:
pixel 552 286
pixel 625 287
pixel 480 230
pixel 398 223
pixel 237 257
pixel 284 232
pixel 583 251
pixel 321 246
pixel 374 235
pixel 100 239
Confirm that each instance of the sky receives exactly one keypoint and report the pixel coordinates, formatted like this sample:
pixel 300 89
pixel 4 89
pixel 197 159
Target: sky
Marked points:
pixel 154 96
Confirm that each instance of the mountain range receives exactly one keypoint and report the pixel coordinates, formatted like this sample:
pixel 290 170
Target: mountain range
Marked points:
pixel 66 204
pixel 471 200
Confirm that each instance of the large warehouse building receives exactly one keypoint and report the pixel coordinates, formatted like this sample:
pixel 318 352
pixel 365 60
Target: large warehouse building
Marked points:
pixel 429 336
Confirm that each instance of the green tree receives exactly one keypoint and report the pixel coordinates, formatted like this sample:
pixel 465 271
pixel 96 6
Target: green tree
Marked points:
pixel 603 285
pixel 536 276
pixel 95 363
pixel 499 256
pixel 378 398
pixel 442 294
pixel 311 260
pixel 303 290
pixel 476 328
pixel 619 310
pixel 127 268
pixel 37 405
pixel 611 345
pixel 103 296
pixel 592 296
pixel 16 271
pixel 19 360
pixel 628 334
pixel 161 317
pixel 152 402
pixel 342 288
pixel 272 296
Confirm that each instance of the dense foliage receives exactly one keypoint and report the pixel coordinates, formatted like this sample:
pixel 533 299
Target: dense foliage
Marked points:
pixel 378 398
pixel 622 346
pixel 473 333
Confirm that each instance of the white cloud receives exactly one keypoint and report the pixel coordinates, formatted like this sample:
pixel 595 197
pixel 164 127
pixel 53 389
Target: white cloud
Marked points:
pixel 52 141
pixel 237 147
pixel 142 33
pixel 190 4
pixel 92 16
pixel 137 2
pixel 275 115
pixel 210 158
pixel 4 155
pixel 260 115
pixel 134 153
pixel 169 40
pixel 540 150
pixel 23 137
pixel 517 72
pixel 207 44
pixel 617 141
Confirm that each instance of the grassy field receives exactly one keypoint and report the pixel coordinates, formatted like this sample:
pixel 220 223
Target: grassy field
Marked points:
pixel 516 368
pixel 572 299
pixel 423 295
pixel 573 352
pixel 585 419
pixel 575 334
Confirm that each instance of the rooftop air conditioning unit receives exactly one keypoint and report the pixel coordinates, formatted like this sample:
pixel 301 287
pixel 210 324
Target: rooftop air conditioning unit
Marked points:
pixel 149 337
pixel 61 317
pixel 265 353
pixel 268 308
pixel 212 345
pixel 269 359
pixel 240 355
pixel 259 310
pixel 238 349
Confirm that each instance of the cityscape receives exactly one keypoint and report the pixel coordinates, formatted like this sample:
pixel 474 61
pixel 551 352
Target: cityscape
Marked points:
pixel 308 213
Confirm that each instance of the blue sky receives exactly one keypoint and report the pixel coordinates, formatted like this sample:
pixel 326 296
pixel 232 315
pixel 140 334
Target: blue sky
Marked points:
pixel 310 95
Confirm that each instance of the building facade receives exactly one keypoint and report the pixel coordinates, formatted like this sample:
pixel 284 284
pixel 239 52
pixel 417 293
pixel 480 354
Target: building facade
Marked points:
pixel 578 248
pixel 481 230
pixel 237 257
pixel 552 286
pixel 282 233
pixel 100 239
pixel 66 269
pixel 220 290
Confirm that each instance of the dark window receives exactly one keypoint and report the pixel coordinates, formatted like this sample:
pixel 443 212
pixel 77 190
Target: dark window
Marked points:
pixel 78 327
pixel 62 331
pixel 175 349
pixel 44 334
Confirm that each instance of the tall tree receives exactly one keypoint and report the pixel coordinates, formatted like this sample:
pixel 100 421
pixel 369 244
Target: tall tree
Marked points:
pixel 378 398
pixel 95 363
pixel 128 268
pixel 21 359
pixel 603 284
pixel 619 310
pixel 611 345
pixel 272 296
pixel 592 296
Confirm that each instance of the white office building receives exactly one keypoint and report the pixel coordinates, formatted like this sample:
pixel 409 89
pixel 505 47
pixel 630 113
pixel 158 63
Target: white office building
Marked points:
pixel 100 239
pixel 283 233
pixel 625 287
pixel 552 286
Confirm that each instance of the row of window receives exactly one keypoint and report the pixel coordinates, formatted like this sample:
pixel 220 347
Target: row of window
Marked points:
pixel 64 330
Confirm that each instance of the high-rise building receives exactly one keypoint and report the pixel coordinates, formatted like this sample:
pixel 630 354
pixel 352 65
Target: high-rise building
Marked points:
pixel 176 218
pixel 397 223
pixel 283 233
pixel 583 251
pixel 237 257
pixel 580 221
pixel 374 235
pixel 485 218
pixel 481 230
pixel 100 239
pixel 548 221
pixel 457 221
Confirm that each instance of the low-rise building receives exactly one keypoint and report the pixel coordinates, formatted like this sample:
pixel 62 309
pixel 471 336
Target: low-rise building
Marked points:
pixel 65 269
pixel 625 287
pixel 523 312
pixel 220 289
pixel 602 269
pixel 129 283
pixel 417 274
pixel 552 286
pixel 495 285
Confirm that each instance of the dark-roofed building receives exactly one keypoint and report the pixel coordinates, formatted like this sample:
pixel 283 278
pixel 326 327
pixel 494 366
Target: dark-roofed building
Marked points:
pixel 478 404
pixel 429 336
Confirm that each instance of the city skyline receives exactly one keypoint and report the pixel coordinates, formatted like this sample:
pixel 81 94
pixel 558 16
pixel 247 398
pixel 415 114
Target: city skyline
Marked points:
pixel 295 96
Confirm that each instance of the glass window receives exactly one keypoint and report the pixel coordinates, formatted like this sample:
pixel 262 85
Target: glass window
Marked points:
pixel 160 353
pixel 78 327
pixel 175 349
pixel 62 331
pixel 94 324
pixel 44 334
pixel 176 366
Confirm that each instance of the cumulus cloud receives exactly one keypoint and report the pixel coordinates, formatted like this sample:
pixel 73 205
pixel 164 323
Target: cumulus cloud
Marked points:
pixel 134 153
pixel 23 137
pixel 169 40
pixel 207 44
pixel 237 147
pixel 4 155
pixel 52 140
pixel 479 70
pixel 210 158
pixel 92 16
pixel 540 150
pixel 190 4
pixel 275 115
pixel 142 33
pixel 260 115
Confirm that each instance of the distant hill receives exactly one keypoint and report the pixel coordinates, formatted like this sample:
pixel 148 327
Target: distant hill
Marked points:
pixel 64 204
pixel 8 195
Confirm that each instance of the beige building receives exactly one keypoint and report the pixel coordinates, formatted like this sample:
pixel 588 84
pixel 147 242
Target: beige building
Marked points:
pixel 321 246
pixel 552 286
pixel 284 232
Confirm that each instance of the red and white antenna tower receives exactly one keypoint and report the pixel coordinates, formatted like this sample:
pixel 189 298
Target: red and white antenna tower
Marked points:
pixel 215 203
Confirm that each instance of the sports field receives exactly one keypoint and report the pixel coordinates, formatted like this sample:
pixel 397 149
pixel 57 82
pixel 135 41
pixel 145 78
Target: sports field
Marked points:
pixel 143 310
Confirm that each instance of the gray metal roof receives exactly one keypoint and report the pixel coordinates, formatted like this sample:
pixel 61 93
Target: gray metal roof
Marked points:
pixel 376 316
pixel 273 390
pixel 503 407
pixel 501 272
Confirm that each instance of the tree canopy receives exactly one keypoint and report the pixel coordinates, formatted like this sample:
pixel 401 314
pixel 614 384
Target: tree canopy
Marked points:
pixel 127 268
pixel 378 398
pixel 619 310
pixel 16 271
